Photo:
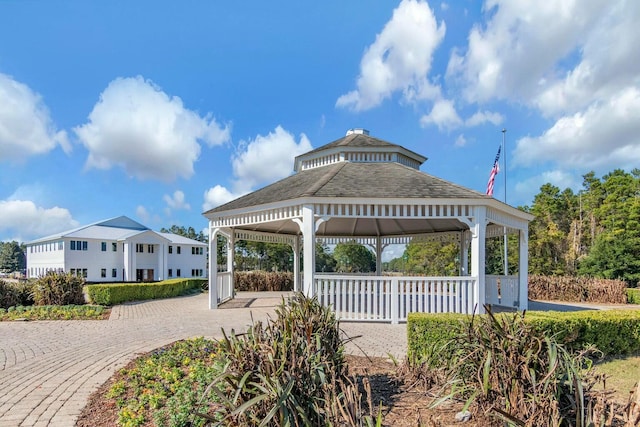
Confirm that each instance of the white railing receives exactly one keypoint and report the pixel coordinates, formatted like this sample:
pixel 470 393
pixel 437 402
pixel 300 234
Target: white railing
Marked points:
pixel 502 290
pixel 225 286
pixel 391 299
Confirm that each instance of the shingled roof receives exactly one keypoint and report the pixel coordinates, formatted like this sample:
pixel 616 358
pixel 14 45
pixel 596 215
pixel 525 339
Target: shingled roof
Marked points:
pixel 354 180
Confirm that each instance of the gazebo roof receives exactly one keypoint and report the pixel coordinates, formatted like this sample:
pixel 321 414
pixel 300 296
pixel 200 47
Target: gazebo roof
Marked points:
pixel 354 180
pixel 361 186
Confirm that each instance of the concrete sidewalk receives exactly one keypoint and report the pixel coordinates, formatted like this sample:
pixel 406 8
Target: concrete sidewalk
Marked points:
pixel 48 369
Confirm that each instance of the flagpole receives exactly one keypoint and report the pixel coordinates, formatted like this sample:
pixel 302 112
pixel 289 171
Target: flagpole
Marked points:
pixel 504 156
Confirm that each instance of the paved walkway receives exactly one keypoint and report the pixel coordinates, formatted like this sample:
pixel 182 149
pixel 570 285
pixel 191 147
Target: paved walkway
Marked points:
pixel 48 369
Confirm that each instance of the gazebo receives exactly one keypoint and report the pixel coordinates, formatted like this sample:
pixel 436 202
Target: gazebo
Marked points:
pixel 365 189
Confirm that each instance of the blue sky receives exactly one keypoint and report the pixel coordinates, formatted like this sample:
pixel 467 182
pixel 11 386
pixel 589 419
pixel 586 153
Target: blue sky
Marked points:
pixel 161 110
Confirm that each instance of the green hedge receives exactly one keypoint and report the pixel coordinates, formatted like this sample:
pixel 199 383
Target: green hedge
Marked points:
pixel 614 332
pixel 633 296
pixel 116 293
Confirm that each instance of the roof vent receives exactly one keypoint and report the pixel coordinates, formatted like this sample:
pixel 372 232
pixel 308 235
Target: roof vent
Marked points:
pixel 359 131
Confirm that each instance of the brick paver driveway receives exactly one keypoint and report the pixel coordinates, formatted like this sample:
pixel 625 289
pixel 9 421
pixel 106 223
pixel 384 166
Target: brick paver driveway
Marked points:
pixel 48 369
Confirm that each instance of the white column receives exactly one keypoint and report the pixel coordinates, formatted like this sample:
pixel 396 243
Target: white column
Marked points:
pixel 296 264
pixel 309 248
pixel 523 270
pixel 231 245
pixel 162 261
pixel 478 240
pixel 129 262
pixel 213 268
pixel 378 256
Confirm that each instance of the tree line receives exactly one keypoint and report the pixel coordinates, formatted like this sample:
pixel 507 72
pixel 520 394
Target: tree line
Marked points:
pixel 592 232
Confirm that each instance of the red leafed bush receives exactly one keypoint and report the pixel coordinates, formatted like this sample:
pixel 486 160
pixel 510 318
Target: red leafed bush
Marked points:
pixel 577 289
pixel 263 281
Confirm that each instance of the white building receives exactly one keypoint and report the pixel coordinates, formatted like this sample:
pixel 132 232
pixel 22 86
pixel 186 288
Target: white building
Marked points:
pixel 117 250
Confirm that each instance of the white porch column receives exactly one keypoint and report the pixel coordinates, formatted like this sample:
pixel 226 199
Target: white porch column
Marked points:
pixel 523 270
pixel 478 241
pixel 129 262
pixel 162 261
pixel 296 264
pixel 213 268
pixel 309 248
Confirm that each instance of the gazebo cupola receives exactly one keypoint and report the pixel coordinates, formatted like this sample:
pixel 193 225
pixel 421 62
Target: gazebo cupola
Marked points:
pixel 358 146
pixel 366 189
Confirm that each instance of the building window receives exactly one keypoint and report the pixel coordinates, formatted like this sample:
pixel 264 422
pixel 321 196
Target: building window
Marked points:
pixel 197 250
pixel 72 271
pixel 103 246
pixel 196 272
pixel 103 272
pixel 114 272
pixel 60 246
pixel 114 247
pixel 178 272
pixel 178 251
pixel 170 271
pixel 84 272
pixel 73 245
pixel 139 248
pixel 150 249
pixel 170 249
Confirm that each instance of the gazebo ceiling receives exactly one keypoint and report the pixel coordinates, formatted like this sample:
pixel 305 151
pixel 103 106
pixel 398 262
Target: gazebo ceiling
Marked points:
pixel 363 227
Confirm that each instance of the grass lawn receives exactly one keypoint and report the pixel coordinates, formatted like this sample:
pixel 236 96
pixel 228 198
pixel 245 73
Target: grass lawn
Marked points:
pixel 623 373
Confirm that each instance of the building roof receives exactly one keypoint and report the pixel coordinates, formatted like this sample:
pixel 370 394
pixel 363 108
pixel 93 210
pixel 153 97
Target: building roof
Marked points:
pixel 181 240
pixel 355 180
pixel 119 228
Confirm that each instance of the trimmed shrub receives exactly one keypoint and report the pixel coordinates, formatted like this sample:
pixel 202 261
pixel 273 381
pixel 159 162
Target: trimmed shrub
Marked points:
pixel 58 289
pixel 117 293
pixel 613 332
pixel 633 296
pixel 263 281
pixel 577 289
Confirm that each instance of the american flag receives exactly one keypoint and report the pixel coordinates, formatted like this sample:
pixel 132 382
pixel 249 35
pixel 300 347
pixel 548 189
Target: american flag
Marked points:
pixel 494 171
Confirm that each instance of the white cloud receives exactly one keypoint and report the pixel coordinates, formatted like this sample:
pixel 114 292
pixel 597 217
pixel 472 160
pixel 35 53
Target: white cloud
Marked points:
pixel 176 201
pixel 481 117
pixel 260 161
pixel 399 59
pixel 518 51
pixel 461 141
pixel 216 196
pixel 145 131
pixel 28 221
pixel 608 62
pixel 26 127
pixel 267 158
pixel 443 114
pixel 605 136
